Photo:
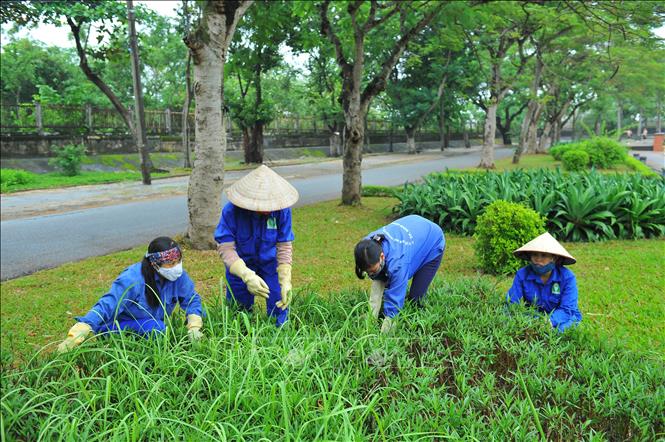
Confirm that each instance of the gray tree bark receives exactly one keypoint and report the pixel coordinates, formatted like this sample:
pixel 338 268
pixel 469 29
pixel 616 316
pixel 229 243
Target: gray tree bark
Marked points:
pixel 208 45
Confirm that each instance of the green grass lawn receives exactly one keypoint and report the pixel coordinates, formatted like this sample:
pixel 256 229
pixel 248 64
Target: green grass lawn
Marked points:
pixel 620 282
pixel 545 161
pixel 462 368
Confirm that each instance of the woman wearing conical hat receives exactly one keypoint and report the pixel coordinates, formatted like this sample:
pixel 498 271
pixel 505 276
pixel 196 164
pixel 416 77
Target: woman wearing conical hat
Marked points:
pixel 545 283
pixel 254 238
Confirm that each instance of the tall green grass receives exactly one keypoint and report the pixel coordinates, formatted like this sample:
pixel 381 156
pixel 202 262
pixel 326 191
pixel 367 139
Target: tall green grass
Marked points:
pixel 460 369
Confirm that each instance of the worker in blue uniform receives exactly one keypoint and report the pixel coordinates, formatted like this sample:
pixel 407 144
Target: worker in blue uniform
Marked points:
pixel 411 247
pixel 545 283
pixel 143 297
pixel 255 238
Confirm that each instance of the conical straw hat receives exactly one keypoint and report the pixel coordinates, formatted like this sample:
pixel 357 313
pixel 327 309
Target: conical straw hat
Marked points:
pixel 545 243
pixel 262 190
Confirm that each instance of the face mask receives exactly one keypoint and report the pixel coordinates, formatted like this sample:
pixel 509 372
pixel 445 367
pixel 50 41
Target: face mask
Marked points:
pixel 172 273
pixel 541 270
pixel 379 274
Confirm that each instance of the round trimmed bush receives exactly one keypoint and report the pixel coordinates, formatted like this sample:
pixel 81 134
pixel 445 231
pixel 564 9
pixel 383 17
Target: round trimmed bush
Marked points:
pixel 575 160
pixel 501 229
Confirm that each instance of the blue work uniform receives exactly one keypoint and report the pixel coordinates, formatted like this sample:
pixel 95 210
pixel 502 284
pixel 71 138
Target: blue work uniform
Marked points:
pixel 126 307
pixel 408 244
pixel 256 237
pixel 557 296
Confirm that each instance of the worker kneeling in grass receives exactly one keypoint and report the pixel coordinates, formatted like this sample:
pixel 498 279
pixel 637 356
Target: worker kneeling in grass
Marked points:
pixel 142 297
pixel 545 283
pixel 254 238
pixel 410 247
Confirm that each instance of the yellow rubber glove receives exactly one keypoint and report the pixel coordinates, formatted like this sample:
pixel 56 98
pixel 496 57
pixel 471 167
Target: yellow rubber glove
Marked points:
pixel 376 297
pixel 387 325
pixel 284 276
pixel 75 336
pixel 194 324
pixel 255 284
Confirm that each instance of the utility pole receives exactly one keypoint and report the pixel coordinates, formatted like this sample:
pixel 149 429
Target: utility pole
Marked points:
pixel 140 135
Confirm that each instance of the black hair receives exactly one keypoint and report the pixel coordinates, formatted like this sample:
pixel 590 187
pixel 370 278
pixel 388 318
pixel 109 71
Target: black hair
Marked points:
pixel 367 254
pixel 148 271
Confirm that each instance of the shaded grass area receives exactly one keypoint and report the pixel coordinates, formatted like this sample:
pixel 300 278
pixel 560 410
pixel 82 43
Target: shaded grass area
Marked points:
pixel 459 369
pixel 620 282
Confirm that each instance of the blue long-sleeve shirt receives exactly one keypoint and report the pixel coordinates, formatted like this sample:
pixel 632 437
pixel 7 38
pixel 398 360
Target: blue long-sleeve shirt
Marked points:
pixel 126 299
pixel 557 296
pixel 255 235
pixel 408 244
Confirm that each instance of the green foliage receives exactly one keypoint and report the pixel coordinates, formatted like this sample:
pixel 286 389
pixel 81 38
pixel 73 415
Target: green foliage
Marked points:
pixel 329 375
pixel 575 160
pixel 560 149
pixel 578 206
pixel 380 191
pixel 15 177
pixel 502 228
pixel 68 158
pixel 603 152
pixel 639 166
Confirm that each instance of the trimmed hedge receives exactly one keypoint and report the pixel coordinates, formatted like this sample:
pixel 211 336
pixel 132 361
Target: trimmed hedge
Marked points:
pixel 502 228
pixel 575 160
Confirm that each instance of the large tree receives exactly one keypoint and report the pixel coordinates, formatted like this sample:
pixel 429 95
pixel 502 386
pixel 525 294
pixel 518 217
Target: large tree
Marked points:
pixel 111 20
pixel 389 27
pixel 209 42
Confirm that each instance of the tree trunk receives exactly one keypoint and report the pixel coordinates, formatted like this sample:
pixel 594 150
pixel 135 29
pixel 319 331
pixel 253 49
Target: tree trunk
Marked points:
pixel 185 114
pixel 619 119
pixel 352 178
pixel 335 140
pixel 467 142
pixel 639 124
pixel 410 139
pixel 532 131
pixel 659 111
pixel 140 133
pixel 390 139
pixel 545 139
pixel 442 124
pixel 487 155
pixel 208 45
pixel 254 151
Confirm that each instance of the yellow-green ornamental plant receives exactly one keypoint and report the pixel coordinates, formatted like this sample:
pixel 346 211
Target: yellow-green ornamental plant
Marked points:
pixel 502 228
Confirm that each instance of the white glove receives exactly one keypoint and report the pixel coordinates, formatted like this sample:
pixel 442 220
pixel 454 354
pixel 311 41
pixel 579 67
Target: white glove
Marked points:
pixel 194 324
pixel 376 297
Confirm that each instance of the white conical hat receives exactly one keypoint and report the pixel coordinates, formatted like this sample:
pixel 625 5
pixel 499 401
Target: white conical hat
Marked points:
pixel 545 243
pixel 262 190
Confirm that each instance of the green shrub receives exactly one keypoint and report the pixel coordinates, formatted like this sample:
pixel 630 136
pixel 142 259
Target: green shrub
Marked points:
pixel 603 152
pixel 12 177
pixel 560 149
pixel 68 158
pixel 575 160
pixel 502 228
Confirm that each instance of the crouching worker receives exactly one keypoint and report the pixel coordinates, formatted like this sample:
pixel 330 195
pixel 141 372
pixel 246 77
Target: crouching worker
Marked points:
pixel 410 247
pixel 545 283
pixel 142 296
pixel 254 238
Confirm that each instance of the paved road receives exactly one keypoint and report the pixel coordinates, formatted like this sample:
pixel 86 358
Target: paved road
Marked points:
pixel 43 229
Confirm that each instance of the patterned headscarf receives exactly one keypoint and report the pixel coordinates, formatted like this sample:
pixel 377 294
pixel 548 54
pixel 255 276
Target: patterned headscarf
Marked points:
pixel 159 258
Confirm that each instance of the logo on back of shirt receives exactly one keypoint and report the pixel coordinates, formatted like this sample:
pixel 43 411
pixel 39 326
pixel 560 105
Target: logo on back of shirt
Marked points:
pixel 556 289
pixel 271 223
